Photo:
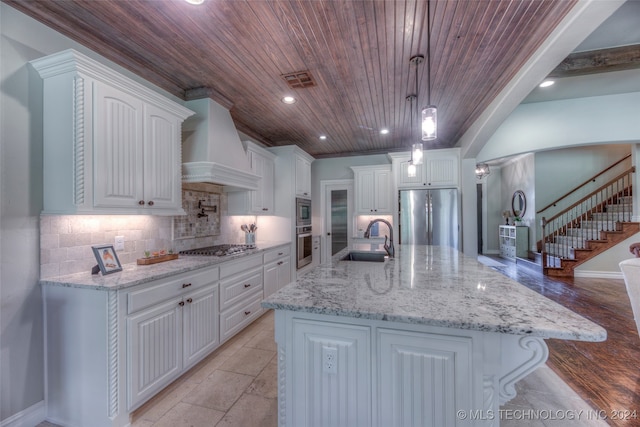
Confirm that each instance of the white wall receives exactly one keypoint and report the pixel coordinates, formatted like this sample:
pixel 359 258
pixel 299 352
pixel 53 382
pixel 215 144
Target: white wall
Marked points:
pixel 21 333
pixel 519 174
pixel 495 206
pixel 606 264
pixel 573 166
pixel 543 126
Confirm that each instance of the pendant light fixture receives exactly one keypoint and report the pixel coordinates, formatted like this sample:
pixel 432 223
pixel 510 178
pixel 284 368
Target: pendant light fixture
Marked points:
pixel 416 147
pixel 430 112
pixel 482 170
pixel 411 168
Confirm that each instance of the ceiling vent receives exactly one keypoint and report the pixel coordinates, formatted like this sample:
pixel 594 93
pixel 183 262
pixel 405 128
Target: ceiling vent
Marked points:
pixel 299 79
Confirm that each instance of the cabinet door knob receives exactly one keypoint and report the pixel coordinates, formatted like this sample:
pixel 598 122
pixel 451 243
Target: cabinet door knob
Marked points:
pixel 186 285
pixel 246 313
pixel 189 300
pixel 141 202
pixel 150 203
pixel 181 303
pixel 246 285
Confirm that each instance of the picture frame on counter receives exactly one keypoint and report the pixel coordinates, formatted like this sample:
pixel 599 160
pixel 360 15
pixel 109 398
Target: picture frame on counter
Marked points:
pixel 107 258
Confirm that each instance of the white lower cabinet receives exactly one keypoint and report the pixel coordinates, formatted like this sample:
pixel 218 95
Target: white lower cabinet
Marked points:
pixel 430 368
pixel 201 325
pixel 241 291
pixel 155 340
pixel 336 371
pixel 277 269
pixel 171 336
pixel 109 350
pixel 331 375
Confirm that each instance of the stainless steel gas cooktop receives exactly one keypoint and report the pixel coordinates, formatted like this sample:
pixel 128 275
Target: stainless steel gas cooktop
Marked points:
pixel 218 250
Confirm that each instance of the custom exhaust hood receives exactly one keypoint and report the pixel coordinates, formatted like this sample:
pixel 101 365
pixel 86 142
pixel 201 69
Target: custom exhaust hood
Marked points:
pixel 211 149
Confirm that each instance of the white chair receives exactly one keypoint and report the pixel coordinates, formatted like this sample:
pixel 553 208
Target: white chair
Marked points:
pixel 631 272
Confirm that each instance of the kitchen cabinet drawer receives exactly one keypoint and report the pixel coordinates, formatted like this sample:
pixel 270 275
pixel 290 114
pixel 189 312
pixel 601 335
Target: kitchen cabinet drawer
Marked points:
pixel 161 290
pixel 241 265
pixel 277 253
pixel 238 287
pixel 237 317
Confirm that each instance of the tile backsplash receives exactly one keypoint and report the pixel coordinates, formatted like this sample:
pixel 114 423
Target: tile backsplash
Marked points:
pixel 66 240
pixel 203 215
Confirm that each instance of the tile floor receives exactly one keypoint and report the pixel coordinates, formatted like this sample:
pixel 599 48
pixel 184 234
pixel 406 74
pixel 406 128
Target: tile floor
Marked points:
pixel 246 367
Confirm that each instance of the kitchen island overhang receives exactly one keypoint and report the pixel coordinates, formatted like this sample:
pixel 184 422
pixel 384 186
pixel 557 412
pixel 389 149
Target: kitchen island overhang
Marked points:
pixel 432 324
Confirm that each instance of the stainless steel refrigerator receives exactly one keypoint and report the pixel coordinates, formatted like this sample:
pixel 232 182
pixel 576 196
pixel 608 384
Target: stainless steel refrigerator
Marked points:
pixel 429 217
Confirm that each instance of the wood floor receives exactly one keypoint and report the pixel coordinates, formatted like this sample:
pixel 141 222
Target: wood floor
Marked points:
pixel 606 375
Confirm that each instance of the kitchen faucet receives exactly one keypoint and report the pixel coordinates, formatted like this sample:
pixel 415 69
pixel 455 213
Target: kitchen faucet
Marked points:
pixel 389 248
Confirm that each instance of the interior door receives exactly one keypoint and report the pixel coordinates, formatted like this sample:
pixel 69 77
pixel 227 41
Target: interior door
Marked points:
pixel 338 220
pixel 338 208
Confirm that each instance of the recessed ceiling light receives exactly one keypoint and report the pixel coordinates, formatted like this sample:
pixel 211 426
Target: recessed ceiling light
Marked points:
pixel 289 100
pixel 384 131
pixel 323 137
pixel 195 1
pixel 547 83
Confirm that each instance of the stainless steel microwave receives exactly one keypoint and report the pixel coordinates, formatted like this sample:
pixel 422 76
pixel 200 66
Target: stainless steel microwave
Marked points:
pixel 303 212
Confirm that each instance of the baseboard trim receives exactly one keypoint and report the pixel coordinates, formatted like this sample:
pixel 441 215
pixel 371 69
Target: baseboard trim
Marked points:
pixel 598 274
pixel 32 416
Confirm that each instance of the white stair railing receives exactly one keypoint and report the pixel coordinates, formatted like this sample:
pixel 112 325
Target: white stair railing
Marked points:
pixel 601 210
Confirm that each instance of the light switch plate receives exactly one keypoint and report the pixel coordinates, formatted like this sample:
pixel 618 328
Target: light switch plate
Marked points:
pixel 119 243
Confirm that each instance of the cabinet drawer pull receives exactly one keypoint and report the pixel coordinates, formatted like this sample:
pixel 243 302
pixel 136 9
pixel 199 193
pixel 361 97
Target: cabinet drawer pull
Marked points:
pixel 189 300
pixel 246 285
pixel 150 203
pixel 186 285
pixel 246 313
pixel 280 253
pixel 280 262
pixel 265 209
pixel 181 303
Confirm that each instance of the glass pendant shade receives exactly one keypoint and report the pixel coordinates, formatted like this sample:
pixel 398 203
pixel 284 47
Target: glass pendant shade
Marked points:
pixel 482 170
pixel 429 123
pixel 416 154
pixel 411 170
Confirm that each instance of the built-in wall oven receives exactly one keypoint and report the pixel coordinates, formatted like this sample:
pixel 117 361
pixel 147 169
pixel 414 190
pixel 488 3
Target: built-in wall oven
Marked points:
pixel 303 212
pixel 303 246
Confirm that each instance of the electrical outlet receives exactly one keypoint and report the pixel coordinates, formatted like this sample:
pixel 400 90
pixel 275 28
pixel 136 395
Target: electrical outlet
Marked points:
pixel 329 360
pixel 119 243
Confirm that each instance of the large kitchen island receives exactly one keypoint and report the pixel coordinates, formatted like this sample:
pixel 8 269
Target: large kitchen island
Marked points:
pixel 430 338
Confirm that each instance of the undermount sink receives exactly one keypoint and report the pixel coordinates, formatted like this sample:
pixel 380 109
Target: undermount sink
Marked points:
pixel 365 256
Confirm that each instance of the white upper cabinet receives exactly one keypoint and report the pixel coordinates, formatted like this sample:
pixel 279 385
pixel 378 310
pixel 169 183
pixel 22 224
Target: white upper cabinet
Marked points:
pixel 111 145
pixel 373 189
pixel 260 201
pixel 263 165
pixel 303 177
pixel 441 168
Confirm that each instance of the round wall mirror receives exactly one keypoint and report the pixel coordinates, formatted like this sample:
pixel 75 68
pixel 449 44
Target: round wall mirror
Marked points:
pixel 519 203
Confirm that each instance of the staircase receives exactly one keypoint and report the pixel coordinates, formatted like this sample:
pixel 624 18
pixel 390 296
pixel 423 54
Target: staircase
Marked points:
pixel 589 227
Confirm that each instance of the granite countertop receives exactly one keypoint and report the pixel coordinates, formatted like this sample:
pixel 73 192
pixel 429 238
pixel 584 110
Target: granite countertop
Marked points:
pixel 133 274
pixel 434 286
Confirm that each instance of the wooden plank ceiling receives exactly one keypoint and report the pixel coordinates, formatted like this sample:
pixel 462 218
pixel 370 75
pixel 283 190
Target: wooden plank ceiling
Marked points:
pixel 357 51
